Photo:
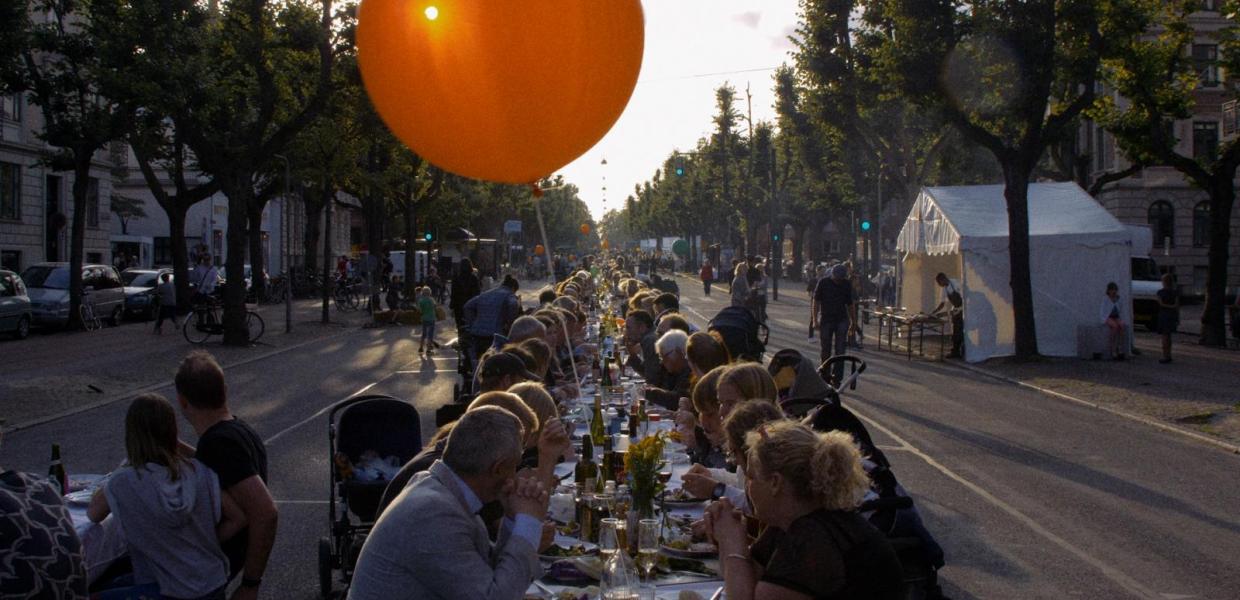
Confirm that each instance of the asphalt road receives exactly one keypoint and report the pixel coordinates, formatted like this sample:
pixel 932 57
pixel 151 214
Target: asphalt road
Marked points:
pixel 1031 497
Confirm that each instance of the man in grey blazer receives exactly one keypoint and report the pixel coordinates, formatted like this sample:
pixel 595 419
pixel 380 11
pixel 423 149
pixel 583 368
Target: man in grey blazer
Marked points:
pixel 431 543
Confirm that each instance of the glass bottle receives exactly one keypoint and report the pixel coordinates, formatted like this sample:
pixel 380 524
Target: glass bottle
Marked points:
pixel 619 578
pixel 586 472
pixel 609 461
pixel 56 472
pixel 598 429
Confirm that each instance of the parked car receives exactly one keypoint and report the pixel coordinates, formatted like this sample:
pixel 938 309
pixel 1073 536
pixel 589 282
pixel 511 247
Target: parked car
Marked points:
pixel 140 291
pixel 48 287
pixel 15 315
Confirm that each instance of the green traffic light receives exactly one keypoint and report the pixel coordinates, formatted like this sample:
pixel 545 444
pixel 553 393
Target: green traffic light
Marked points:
pixel 680 171
pixel 428 236
pixel 865 226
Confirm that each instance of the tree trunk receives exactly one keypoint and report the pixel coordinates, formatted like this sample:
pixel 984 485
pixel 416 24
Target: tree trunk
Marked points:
pixel 411 246
pixel 374 240
pixel 327 253
pixel 258 258
pixel 77 242
pixel 313 213
pixel 1213 316
pixel 798 248
pixel 238 190
pixel 1016 192
pixel 176 211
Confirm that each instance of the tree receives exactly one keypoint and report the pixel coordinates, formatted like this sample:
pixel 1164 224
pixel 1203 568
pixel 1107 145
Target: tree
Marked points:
pixel 1012 76
pixel 57 61
pixel 126 208
pixel 1158 81
pixel 135 40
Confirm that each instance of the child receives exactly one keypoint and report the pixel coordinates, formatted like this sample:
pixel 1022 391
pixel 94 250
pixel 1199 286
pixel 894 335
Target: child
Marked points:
pixel 171 508
pixel 426 305
pixel 166 293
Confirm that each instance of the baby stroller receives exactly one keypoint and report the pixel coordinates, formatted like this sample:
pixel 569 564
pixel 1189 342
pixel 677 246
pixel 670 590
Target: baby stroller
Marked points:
pixel 889 508
pixel 374 423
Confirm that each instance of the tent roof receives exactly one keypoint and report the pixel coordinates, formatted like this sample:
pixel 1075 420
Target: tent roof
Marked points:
pixel 945 220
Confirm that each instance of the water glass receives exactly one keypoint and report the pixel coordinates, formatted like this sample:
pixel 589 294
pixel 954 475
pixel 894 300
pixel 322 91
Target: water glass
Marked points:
pixel 647 548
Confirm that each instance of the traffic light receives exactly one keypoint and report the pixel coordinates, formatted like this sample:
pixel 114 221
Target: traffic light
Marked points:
pixel 428 236
pixel 678 163
pixel 865 226
pixel 775 237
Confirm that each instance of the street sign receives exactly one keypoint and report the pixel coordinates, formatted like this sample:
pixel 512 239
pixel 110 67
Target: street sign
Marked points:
pixel 512 227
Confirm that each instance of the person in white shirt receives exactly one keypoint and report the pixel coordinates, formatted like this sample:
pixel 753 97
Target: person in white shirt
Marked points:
pixel 205 278
pixel 1111 313
pixel 953 302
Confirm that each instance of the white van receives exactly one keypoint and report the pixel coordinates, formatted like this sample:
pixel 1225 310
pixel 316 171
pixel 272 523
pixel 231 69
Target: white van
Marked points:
pixel 1146 278
pixel 419 265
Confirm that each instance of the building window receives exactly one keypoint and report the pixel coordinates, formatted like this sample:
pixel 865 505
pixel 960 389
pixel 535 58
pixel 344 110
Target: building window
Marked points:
pixel 1162 223
pixel 1201 224
pixel 1205 140
pixel 11 260
pixel 11 107
pixel 1205 60
pixel 10 191
pixel 92 202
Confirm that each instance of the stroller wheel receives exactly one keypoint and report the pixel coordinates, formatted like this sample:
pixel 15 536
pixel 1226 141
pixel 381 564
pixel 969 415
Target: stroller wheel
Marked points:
pixel 325 568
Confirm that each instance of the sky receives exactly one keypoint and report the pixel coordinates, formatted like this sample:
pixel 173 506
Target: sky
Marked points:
pixel 692 47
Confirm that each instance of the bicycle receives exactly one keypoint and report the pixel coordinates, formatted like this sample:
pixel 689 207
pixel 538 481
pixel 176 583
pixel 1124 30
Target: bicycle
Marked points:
pixel 347 295
pixel 205 321
pixel 90 321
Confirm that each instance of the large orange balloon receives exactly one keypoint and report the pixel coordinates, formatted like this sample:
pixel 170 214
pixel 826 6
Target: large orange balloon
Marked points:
pixel 539 250
pixel 503 90
pixel 585 229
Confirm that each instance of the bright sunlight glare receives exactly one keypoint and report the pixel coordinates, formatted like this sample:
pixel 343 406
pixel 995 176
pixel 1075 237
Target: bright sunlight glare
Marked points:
pixel 432 13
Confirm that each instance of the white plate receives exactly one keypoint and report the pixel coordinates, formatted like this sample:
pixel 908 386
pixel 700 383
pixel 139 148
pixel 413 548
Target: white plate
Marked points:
pixel 79 498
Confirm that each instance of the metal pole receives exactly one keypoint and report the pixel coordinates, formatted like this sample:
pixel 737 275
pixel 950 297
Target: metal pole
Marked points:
pixel 284 249
pixel 777 258
pixel 879 218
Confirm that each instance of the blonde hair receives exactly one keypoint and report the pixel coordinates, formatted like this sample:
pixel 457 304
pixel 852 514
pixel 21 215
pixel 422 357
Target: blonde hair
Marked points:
pixel 822 467
pixel 424 291
pixel 706 351
pixel 746 417
pixel 752 380
pixel 742 269
pixel 704 396
pixel 511 403
pixel 535 396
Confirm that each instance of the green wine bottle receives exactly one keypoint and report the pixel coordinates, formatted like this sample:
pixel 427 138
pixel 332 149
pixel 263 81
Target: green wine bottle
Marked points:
pixel 598 430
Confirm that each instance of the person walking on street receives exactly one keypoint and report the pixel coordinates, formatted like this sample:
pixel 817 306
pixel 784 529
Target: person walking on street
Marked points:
pixel 465 285
pixel 708 276
pixel 426 305
pixel 740 285
pixel 832 311
pixel 1168 314
pixel 166 292
pixel 1112 314
pixel 954 303
pixel 492 313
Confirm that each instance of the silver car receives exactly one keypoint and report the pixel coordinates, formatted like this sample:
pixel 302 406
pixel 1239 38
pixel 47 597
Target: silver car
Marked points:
pixel 48 287
pixel 15 316
pixel 140 287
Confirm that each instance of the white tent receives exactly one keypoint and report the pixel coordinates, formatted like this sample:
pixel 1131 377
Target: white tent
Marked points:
pixel 1076 248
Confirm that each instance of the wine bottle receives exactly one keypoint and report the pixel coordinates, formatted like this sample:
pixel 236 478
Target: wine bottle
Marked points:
pixel 634 422
pixel 56 472
pixel 586 472
pixel 598 429
pixel 607 372
pixel 609 460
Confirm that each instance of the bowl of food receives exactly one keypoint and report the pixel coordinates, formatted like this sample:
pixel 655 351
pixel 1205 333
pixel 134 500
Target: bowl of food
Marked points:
pixel 681 497
pixel 685 548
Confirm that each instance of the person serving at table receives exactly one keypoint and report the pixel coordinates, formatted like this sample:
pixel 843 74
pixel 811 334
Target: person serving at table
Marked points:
pixel 805 487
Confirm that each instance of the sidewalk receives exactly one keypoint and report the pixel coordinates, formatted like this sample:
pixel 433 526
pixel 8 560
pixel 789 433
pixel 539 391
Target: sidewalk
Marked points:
pixel 57 371
pixel 1198 391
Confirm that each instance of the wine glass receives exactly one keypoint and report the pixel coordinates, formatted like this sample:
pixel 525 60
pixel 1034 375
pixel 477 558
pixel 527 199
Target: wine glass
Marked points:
pixel 647 548
pixel 609 537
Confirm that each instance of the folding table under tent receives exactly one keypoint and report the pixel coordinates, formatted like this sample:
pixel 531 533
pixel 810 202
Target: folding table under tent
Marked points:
pixel 1076 248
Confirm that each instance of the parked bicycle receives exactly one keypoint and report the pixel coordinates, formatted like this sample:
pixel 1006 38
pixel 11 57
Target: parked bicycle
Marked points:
pixel 206 321
pixel 90 321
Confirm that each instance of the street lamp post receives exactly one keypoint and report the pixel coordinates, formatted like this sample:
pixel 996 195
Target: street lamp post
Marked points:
pixel 284 250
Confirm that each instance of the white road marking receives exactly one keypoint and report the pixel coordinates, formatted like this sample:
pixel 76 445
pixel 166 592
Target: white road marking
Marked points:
pixel 1115 575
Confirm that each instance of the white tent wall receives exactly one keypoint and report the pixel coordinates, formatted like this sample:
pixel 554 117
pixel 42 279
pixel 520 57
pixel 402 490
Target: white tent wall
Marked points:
pixel 919 292
pixel 1076 248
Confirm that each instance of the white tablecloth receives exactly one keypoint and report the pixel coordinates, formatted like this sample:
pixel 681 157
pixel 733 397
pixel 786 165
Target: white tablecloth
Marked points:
pixel 102 543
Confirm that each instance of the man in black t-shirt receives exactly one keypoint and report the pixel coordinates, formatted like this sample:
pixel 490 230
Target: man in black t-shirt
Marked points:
pixel 234 451
pixel 832 314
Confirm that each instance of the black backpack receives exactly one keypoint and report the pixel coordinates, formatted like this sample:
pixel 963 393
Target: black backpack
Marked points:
pixel 743 335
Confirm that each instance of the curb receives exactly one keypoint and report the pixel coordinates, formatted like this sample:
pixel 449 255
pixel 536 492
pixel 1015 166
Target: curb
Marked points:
pixel 1199 437
pixel 149 388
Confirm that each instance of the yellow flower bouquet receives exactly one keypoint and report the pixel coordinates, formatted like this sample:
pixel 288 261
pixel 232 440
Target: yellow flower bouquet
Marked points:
pixel 642 463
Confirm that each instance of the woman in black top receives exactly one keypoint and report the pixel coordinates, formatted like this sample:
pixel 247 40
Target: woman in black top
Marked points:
pixel 1168 314
pixel 804 486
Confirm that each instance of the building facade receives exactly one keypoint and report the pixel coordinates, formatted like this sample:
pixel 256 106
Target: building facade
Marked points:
pixel 1177 213
pixel 36 203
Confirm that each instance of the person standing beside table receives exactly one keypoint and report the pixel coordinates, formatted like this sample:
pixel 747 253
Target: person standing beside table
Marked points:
pixel 953 302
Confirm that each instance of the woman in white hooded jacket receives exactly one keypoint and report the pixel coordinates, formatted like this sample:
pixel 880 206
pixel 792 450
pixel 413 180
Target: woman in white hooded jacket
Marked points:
pixel 170 508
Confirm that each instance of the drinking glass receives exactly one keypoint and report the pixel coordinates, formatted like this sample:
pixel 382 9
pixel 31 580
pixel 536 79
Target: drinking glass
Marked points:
pixel 609 537
pixel 647 548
